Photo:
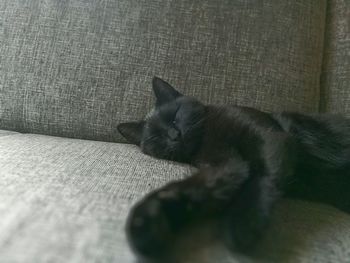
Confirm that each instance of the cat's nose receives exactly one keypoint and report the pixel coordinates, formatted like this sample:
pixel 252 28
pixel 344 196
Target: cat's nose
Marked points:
pixel 173 134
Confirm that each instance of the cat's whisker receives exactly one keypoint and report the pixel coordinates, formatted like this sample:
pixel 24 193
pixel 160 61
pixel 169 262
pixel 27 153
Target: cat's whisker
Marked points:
pixel 150 138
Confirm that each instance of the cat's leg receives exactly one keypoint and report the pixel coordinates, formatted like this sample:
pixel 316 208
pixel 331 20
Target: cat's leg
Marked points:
pixel 249 215
pixel 250 211
pixel 154 222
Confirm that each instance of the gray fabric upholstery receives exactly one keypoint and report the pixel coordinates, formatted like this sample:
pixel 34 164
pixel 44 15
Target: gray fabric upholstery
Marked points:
pixel 77 68
pixel 66 200
pixel 335 86
pixel 7 133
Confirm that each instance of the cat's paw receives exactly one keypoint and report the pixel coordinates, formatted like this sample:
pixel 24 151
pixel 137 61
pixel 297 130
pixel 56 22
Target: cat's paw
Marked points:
pixel 148 229
pixel 153 223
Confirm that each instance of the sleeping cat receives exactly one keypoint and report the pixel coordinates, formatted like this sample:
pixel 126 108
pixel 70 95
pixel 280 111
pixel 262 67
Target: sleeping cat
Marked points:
pixel 246 160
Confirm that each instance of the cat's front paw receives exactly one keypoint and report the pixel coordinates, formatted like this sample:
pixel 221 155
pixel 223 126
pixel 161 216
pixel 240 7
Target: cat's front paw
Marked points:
pixel 148 229
pixel 154 222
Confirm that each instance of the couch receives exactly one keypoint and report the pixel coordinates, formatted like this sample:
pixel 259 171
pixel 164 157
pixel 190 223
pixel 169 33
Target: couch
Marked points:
pixel 71 70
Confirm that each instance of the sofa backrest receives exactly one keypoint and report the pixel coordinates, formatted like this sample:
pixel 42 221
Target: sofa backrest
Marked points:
pixel 77 68
pixel 335 85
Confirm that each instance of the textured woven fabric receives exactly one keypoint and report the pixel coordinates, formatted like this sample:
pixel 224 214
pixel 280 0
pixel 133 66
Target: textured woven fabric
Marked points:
pixel 336 66
pixel 66 200
pixel 7 133
pixel 77 68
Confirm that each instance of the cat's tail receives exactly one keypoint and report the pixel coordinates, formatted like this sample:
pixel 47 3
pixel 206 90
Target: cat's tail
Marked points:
pixel 324 139
pixel 323 171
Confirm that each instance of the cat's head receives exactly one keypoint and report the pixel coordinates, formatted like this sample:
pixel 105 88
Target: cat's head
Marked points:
pixel 172 130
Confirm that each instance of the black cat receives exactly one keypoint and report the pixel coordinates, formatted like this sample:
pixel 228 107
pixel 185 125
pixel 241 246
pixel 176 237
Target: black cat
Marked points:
pixel 246 160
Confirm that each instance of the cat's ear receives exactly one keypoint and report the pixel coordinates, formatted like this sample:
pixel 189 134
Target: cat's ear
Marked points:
pixel 164 91
pixel 132 131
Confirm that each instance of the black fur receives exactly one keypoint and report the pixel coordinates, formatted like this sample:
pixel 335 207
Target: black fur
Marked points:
pixel 246 160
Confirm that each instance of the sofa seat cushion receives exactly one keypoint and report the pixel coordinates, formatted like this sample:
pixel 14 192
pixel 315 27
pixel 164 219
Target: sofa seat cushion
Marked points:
pixel 66 200
pixel 7 133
